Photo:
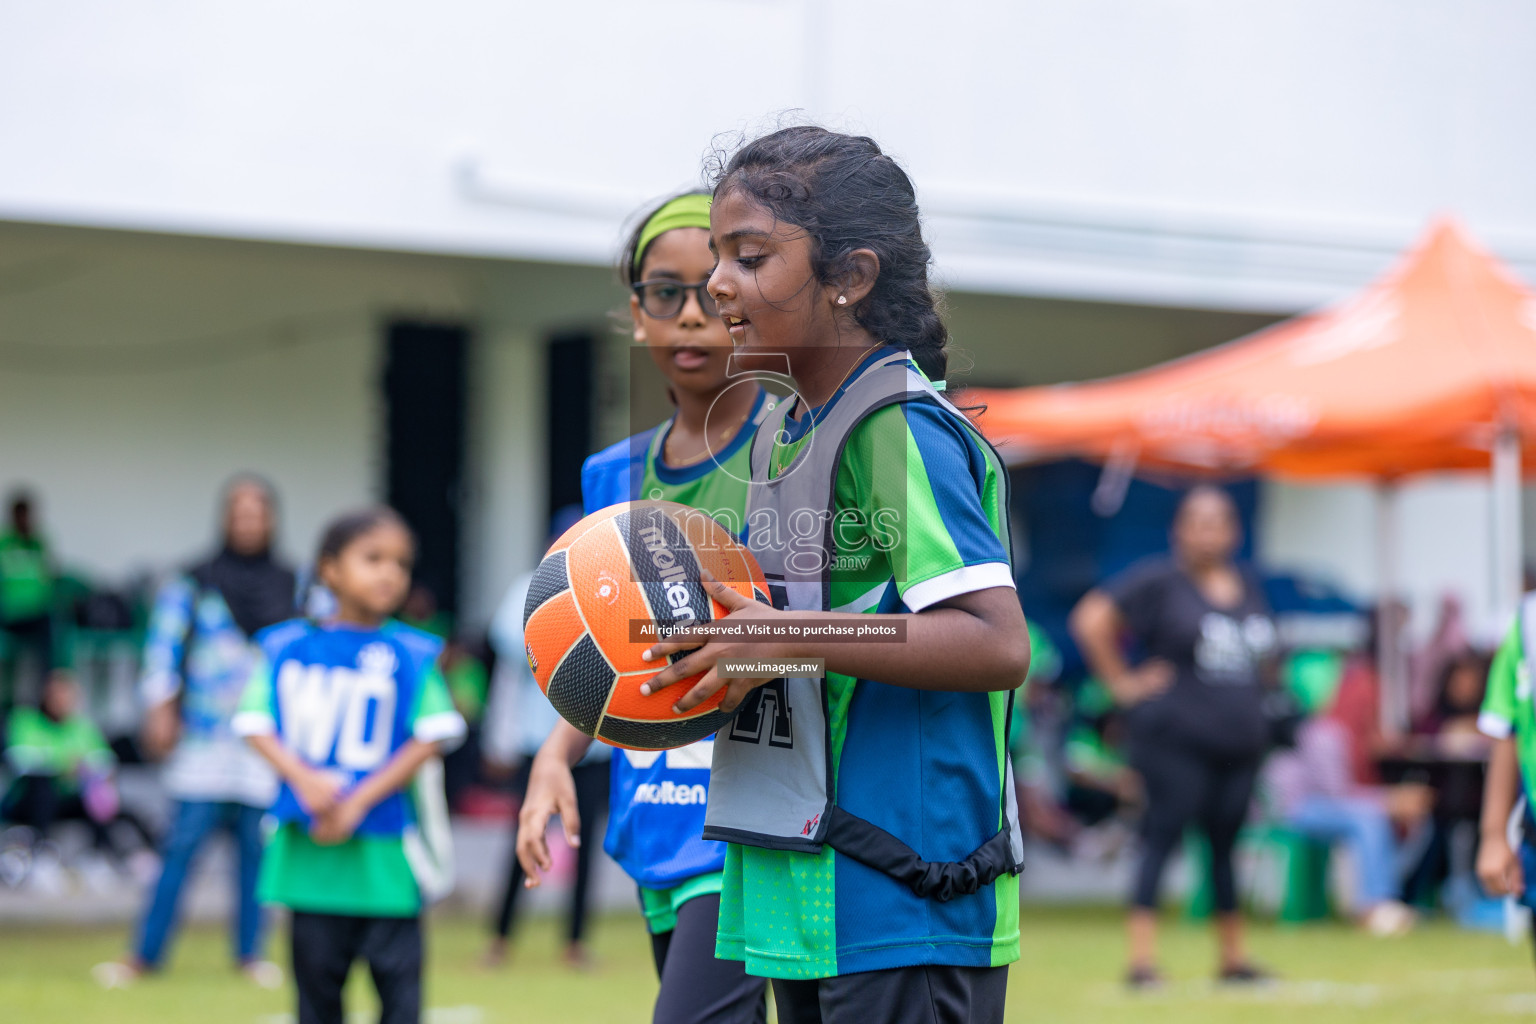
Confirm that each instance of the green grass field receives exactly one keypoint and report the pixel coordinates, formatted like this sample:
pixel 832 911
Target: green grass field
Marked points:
pixel 1069 973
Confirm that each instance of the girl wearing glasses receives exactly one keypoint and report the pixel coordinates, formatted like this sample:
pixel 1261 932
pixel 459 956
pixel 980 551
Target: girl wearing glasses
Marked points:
pixel 873 835
pixel 698 457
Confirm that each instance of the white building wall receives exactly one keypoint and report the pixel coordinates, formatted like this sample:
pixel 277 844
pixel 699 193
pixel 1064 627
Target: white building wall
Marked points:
pixel 503 523
pixel 1256 156
pixel 128 466
pixel 1260 157
pixel 138 372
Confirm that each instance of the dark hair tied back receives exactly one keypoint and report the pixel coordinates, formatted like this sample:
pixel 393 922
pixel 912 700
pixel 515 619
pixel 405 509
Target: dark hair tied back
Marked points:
pixel 346 528
pixel 848 195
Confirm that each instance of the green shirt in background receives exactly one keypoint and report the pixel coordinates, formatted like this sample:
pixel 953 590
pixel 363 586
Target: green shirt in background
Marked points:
pixel 38 745
pixel 1508 708
pixel 717 485
pixel 1044 669
pixel 469 685
pixel 26 580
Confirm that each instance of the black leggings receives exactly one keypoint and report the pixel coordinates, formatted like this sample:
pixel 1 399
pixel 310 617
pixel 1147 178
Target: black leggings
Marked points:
pixel 591 797
pixel 35 635
pixel 1186 786
pixel 695 987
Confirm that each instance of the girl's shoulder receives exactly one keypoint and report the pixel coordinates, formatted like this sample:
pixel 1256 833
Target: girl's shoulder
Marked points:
pixel 1255 594
pixel 275 639
pixel 316 642
pixel 422 647
pixel 932 433
pixel 1250 575
pixel 622 452
pixel 1147 575
pixel 606 475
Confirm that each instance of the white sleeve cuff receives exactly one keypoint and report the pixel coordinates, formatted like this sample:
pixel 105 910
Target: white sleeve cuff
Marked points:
pixel 1497 726
pixel 158 687
pixel 252 723
pixel 443 727
pixel 965 580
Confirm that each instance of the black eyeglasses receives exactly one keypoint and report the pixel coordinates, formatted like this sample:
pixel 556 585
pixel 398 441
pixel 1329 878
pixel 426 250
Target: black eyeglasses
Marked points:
pixel 664 299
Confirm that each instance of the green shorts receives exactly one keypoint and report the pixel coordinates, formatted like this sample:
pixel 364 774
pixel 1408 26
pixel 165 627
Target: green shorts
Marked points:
pixel 660 905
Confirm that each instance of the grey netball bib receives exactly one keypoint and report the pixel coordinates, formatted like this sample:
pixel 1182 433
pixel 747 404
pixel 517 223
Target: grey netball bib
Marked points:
pixel 769 782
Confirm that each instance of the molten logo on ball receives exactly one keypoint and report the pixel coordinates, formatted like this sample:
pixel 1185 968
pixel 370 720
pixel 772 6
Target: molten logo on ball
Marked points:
pixel 668 571
pixel 641 563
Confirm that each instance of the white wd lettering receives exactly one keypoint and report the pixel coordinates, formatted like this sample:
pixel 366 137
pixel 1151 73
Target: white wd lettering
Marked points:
pixel 325 706
pixel 358 746
pixel 642 759
pixel 311 703
pixel 694 755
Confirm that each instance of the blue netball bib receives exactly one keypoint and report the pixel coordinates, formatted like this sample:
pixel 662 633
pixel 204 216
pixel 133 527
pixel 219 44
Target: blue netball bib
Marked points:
pixel 657 798
pixel 343 699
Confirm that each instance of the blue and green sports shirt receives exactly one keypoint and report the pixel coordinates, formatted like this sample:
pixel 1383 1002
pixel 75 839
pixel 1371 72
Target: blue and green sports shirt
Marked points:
pixel 345 699
pixel 929 767
pixel 1508 707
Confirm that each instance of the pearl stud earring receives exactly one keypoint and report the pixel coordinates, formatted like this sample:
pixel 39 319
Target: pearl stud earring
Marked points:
pixel 842 300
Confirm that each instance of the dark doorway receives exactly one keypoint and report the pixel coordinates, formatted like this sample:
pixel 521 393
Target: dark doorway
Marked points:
pixel 424 388
pixel 569 372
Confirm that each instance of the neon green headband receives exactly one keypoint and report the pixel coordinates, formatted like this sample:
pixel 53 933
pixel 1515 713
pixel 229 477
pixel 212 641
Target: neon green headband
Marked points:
pixel 689 211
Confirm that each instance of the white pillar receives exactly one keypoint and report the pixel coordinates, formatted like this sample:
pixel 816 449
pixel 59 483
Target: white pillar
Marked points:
pixel 1508 558
pixel 1391 665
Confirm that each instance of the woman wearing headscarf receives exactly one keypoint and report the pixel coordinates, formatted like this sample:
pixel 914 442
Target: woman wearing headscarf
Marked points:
pixel 197 659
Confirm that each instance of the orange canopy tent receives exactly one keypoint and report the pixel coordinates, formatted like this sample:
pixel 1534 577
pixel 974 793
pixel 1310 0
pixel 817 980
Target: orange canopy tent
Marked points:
pixel 1423 370
pixel 1432 367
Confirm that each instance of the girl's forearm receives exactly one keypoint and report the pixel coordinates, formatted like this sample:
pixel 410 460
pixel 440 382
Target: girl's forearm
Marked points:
pixel 977 643
pixel 283 761
pixel 1095 624
pixel 566 743
pixel 1501 789
pixel 395 774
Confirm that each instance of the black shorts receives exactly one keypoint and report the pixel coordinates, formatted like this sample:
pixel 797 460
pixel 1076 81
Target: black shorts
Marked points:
pixel 902 995
pixel 324 947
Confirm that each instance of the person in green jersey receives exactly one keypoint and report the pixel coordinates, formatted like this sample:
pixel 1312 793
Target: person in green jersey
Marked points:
pixel 26 593
pixel 873 834
pixel 1032 732
pixel 698 457
pixel 1506 858
pixel 62 770
pixel 347 711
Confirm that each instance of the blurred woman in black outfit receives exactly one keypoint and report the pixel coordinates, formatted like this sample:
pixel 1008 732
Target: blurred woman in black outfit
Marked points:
pixel 1194 706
